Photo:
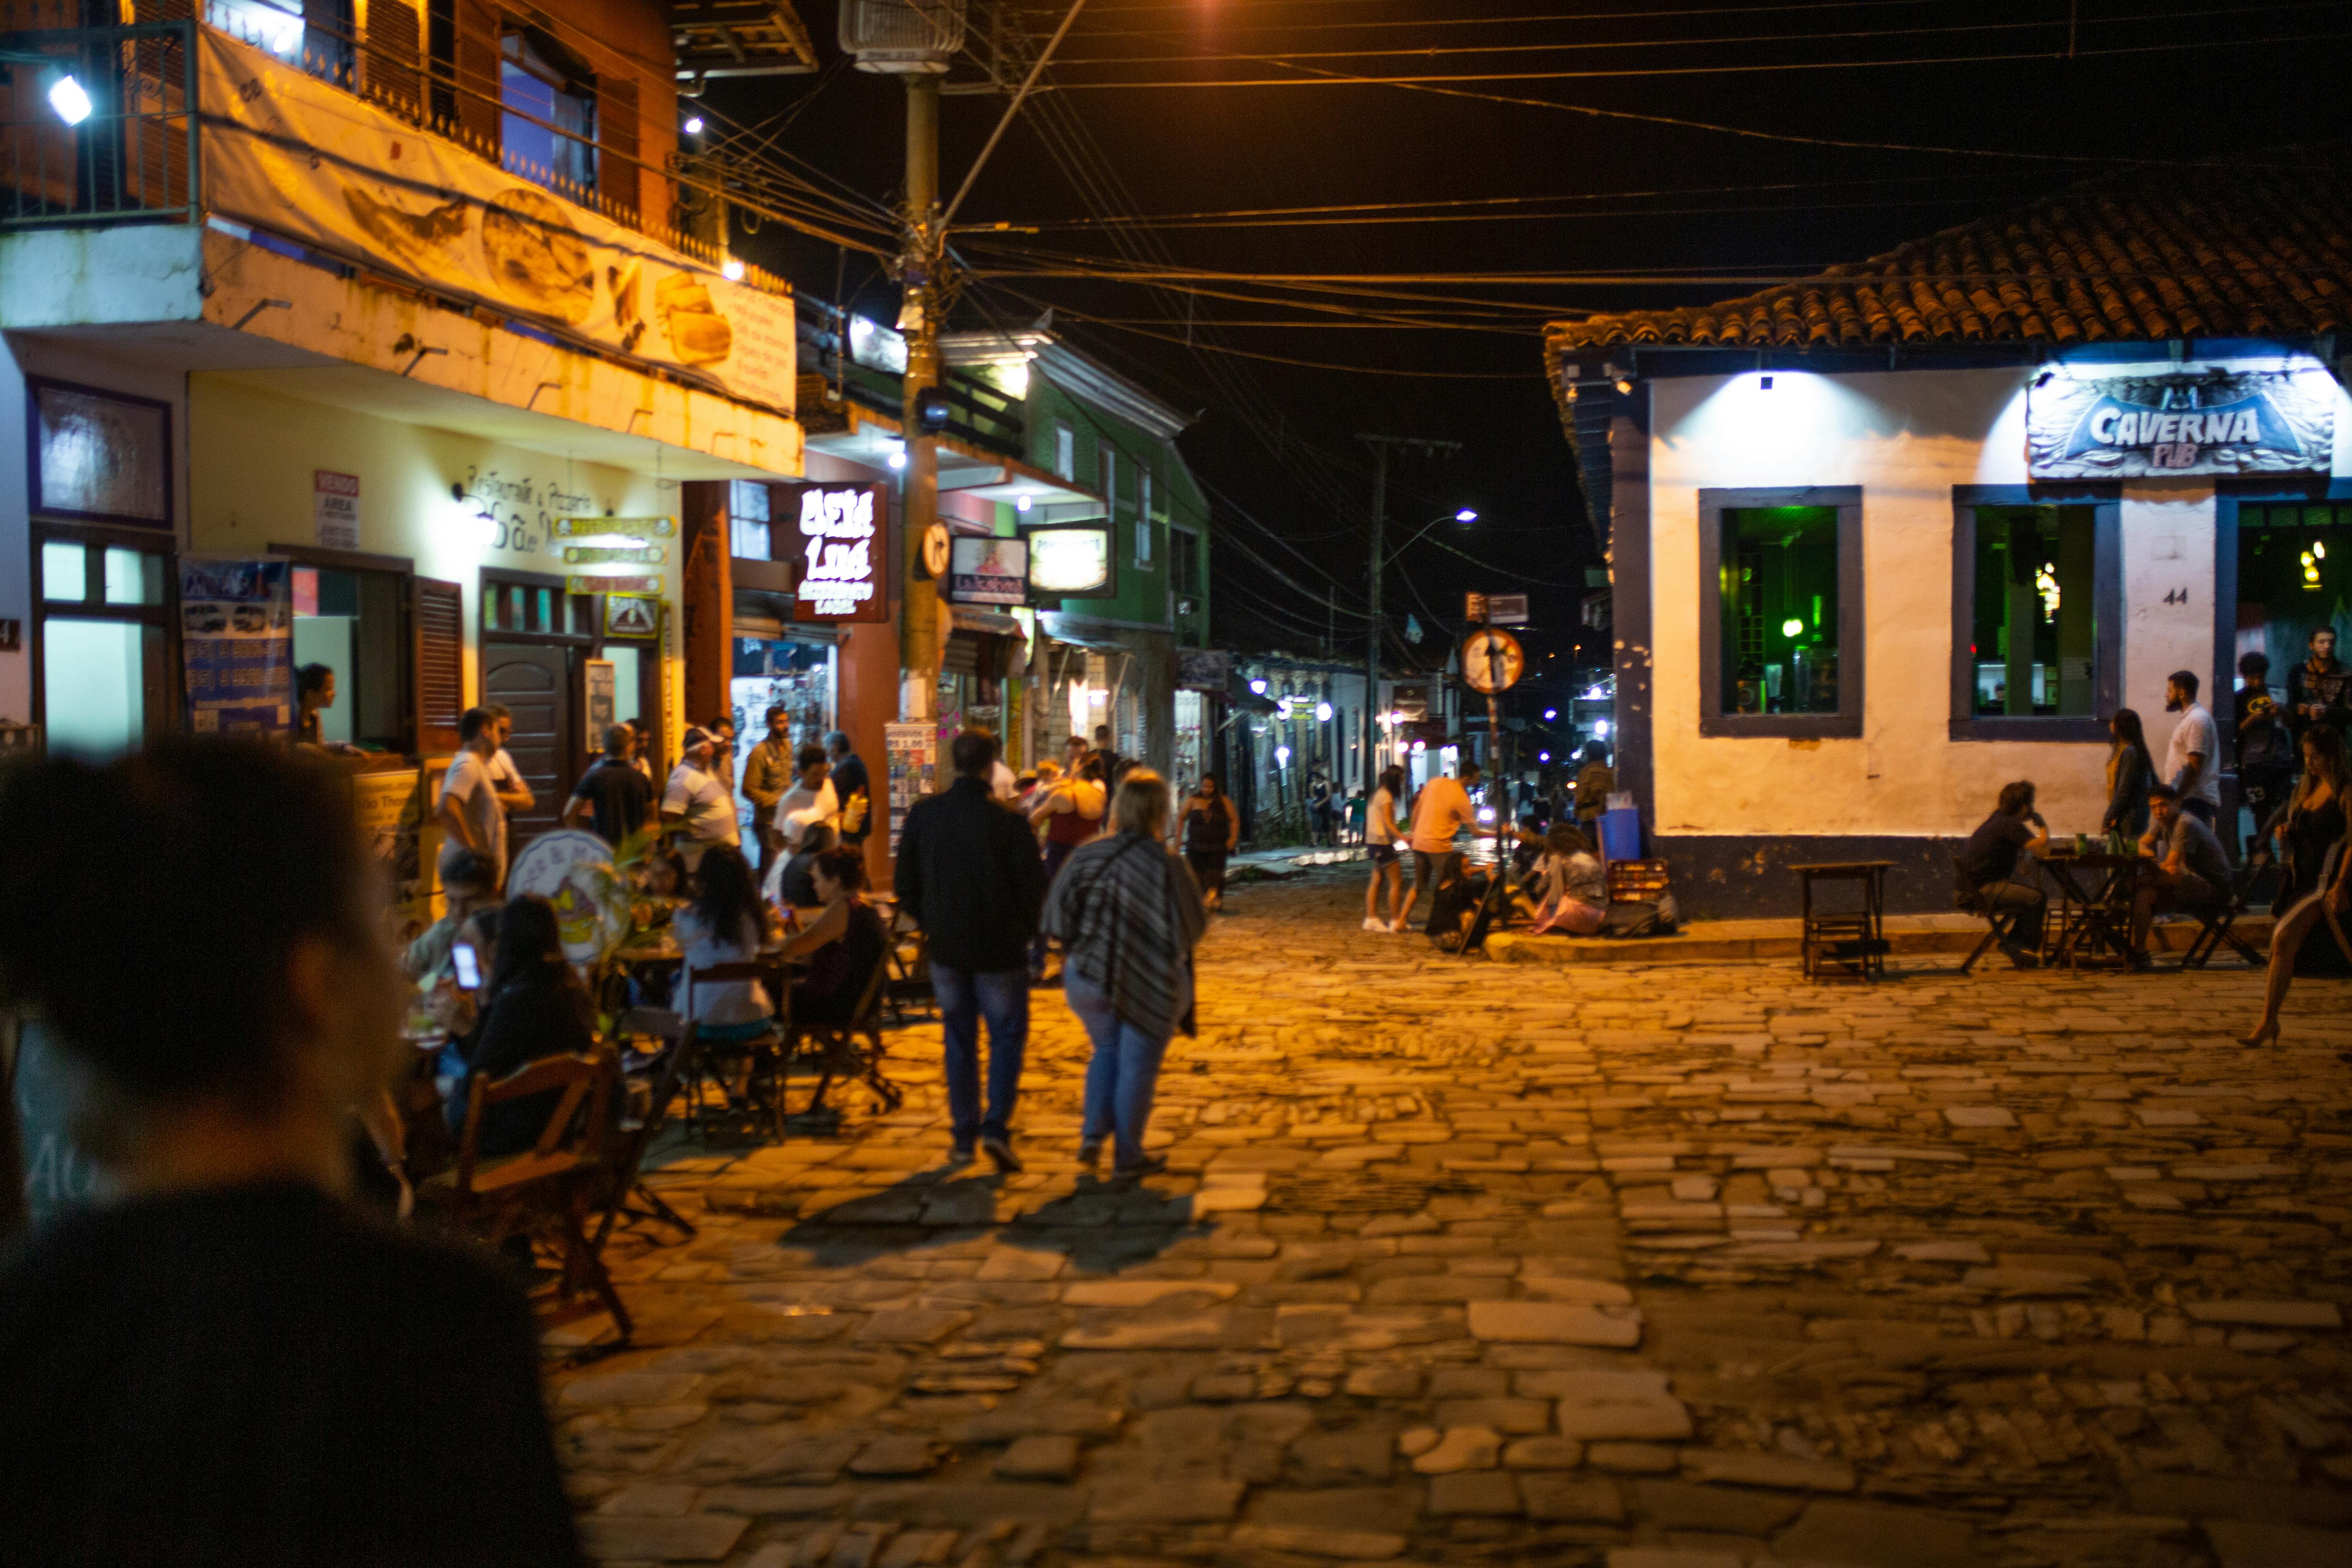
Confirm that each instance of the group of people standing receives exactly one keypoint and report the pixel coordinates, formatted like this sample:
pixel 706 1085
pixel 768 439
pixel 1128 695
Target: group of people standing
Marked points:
pixel 2293 773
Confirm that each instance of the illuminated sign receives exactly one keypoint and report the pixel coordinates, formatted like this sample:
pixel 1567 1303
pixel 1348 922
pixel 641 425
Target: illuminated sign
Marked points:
pixel 2198 419
pixel 620 527
pixel 989 571
pixel 1072 559
pixel 845 553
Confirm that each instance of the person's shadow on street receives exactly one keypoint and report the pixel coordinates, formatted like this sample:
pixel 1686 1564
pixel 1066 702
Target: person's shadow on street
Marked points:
pixel 1100 1225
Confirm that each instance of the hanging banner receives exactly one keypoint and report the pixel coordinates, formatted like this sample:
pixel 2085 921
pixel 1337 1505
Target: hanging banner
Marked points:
pixel 2198 419
pixel 236 644
pixel 291 154
pixel 619 527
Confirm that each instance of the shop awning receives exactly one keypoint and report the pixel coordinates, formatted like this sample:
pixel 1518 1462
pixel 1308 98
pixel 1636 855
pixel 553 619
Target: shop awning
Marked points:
pixel 987 622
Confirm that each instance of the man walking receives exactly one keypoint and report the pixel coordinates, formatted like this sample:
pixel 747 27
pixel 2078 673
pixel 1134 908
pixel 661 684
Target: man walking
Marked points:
pixel 612 797
pixel 2192 759
pixel 767 774
pixel 697 806
pixel 1442 810
pixel 851 786
pixel 968 873
pixel 467 807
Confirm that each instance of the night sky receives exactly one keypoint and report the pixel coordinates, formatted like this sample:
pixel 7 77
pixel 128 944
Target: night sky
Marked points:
pixel 1582 194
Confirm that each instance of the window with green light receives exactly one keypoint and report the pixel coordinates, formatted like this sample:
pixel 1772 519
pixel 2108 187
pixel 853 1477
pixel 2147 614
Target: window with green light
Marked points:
pixel 1780 568
pixel 2034 631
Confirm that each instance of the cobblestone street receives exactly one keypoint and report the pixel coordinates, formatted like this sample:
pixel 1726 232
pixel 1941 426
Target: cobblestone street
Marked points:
pixel 1458 1262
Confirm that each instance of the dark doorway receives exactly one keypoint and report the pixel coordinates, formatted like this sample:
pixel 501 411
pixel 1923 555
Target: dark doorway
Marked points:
pixel 535 680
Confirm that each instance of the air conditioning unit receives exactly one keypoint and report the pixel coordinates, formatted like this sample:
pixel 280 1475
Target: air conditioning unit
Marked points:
pixel 902 37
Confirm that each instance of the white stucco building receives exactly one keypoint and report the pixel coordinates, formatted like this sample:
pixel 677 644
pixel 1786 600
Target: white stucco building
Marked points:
pixel 1885 539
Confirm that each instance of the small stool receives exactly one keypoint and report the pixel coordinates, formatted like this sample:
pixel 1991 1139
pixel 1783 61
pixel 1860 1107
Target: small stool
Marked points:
pixel 1852 939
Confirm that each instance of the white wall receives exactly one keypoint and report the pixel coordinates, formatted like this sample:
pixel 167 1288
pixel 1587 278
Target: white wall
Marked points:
pixel 1906 438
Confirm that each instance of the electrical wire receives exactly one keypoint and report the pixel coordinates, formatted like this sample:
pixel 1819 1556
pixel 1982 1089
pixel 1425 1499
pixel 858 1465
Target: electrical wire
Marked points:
pixel 1439 51
pixel 1193 9
pixel 1391 220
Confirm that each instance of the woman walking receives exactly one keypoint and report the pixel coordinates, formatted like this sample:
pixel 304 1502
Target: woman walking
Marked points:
pixel 1380 836
pixel 2130 770
pixel 2326 904
pixel 1129 915
pixel 1212 828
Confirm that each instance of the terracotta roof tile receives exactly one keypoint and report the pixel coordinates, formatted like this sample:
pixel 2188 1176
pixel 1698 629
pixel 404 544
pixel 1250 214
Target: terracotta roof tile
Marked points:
pixel 2216 251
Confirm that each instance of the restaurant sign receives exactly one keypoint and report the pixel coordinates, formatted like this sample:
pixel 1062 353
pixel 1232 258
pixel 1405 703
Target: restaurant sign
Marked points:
pixel 845 553
pixel 988 570
pixel 2197 419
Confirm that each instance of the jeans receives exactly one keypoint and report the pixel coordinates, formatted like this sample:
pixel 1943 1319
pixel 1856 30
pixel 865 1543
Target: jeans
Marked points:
pixel 1121 1077
pixel 2022 897
pixel 963 996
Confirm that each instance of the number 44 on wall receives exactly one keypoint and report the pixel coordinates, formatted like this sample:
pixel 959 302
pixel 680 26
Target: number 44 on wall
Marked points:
pixel 2178 596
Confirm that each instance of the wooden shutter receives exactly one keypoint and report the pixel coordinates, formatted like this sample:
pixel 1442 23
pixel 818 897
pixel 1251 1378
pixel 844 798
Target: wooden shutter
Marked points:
pixel 616 139
pixel 438 623
pixel 394 42
pixel 479 95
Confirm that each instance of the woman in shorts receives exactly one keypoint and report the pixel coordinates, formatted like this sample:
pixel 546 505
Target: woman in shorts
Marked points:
pixel 1380 836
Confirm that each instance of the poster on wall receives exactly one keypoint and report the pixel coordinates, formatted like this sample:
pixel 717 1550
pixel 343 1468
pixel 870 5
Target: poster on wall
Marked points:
pixel 335 508
pixel 603 691
pixel 840 533
pixel 298 156
pixel 2196 419
pixel 914 770
pixel 391 809
pixel 236 644
pixel 988 571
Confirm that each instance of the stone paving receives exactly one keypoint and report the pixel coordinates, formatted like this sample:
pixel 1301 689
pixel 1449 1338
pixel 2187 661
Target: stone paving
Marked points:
pixel 1654 1267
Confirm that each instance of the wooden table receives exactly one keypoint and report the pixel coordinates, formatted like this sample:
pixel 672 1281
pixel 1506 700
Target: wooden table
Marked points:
pixel 2091 918
pixel 1853 939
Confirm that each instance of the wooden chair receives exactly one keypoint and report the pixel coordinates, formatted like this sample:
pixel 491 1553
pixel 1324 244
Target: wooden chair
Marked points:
pixel 637 1132
pixel 2214 925
pixel 847 1051
pixel 2000 924
pixel 907 988
pixel 544 1191
pixel 746 1074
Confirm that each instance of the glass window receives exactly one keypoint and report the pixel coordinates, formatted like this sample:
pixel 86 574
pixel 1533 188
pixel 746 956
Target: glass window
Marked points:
pixel 1065 452
pixel 1144 541
pixel 626 672
pixel 93 686
pixel 1184 561
pixel 748 518
pixel 2294 577
pixel 133 577
pixel 65 572
pixel 548 133
pixel 1107 467
pixel 1780 567
pixel 2035 632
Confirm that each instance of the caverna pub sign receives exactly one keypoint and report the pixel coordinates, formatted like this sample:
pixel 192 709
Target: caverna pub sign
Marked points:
pixel 2198 419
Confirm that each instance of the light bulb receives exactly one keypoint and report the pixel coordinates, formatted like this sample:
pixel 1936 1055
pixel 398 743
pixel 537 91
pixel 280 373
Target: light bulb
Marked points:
pixel 693 126
pixel 731 269
pixel 1465 515
pixel 1323 712
pixel 1258 687
pixel 70 99
pixel 1791 627
pixel 1550 714
pixel 898 459
pixel 1021 504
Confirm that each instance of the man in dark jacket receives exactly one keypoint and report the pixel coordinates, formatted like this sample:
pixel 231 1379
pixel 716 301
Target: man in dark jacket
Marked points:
pixel 969 876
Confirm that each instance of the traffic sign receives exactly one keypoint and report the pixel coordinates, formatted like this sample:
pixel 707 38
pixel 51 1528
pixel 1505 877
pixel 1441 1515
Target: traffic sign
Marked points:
pixel 1492 661
pixel 1507 609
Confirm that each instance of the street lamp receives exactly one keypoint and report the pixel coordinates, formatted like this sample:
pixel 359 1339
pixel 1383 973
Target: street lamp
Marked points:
pixel 1465 517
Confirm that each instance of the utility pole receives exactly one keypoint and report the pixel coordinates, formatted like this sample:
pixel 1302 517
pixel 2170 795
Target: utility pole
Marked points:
pixel 1379 445
pixel 919 258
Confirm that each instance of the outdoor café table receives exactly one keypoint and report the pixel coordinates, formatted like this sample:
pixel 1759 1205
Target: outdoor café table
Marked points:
pixel 2091 918
pixel 1855 938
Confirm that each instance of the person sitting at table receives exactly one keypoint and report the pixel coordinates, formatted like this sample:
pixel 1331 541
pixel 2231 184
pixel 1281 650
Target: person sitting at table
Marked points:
pixel 2190 876
pixel 216 1360
pixel 790 883
pixel 466 885
pixel 536 1007
pixel 1990 869
pixel 844 945
pixel 725 925
pixel 2131 768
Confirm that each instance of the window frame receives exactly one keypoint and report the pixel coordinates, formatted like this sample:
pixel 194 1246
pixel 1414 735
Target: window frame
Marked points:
pixel 163 699
pixel 1846 722
pixel 2106 499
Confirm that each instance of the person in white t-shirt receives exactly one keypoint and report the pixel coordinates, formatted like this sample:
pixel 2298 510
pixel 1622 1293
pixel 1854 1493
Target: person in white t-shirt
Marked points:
pixel 2192 759
pixel 467 807
pixel 514 793
pixel 697 808
pixel 810 801
pixel 1442 810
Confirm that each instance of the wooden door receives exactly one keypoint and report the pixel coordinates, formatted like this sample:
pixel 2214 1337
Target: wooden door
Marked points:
pixel 535 680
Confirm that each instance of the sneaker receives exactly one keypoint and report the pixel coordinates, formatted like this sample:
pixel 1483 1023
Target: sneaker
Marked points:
pixel 1090 1151
pixel 1371 924
pixel 1398 928
pixel 962 1153
pixel 1000 1153
pixel 1149 1165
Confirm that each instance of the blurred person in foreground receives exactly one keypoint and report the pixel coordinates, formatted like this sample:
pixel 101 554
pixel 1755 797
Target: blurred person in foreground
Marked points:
pixel 220 1362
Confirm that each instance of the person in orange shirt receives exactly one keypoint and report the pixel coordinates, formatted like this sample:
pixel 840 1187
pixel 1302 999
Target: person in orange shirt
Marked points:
pixel 1442 810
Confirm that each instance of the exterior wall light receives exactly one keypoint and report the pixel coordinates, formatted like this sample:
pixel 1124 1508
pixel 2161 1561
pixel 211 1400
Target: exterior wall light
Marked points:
pixel 68 97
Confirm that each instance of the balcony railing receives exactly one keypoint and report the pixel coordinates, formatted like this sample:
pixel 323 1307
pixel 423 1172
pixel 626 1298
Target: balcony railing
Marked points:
pixel 979 412
pixel 94 126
